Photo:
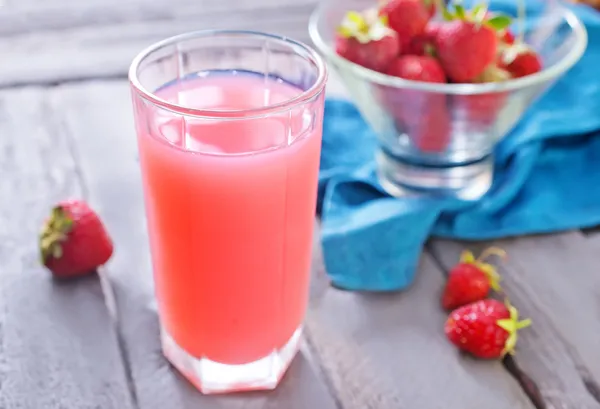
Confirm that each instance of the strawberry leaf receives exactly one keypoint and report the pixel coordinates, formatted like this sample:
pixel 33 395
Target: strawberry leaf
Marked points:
pixel 467 257
pixel 524 324
pixel 477 9
pixel 479 13
pixel 499 22
pixel 352 24
pixel 460 11
pixel 447 15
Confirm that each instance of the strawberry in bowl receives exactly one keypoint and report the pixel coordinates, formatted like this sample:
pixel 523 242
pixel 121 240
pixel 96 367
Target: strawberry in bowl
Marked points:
pixel 450 81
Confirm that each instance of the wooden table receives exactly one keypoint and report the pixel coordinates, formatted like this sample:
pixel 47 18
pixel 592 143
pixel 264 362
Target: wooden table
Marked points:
pixel 66 130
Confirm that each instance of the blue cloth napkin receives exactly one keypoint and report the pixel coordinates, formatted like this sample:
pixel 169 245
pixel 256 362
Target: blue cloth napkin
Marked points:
pixel 547 179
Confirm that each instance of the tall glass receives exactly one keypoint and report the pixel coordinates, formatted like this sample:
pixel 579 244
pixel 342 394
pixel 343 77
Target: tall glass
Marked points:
pixel 229 130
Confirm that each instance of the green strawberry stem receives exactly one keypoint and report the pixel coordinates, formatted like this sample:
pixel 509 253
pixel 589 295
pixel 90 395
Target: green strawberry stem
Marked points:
pixel 55 231
pixel 479 12
pixel 352 24
pixel 362 27
pixel 512 325
pixel 478 15
pixel 488 269
pixel 492 251
pixel 441 8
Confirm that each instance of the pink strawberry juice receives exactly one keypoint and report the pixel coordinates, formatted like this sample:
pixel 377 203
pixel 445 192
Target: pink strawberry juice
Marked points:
pixel 230 206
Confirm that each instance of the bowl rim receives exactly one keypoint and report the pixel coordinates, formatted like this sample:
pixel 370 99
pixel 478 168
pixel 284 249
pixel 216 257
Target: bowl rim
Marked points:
pixel 456 89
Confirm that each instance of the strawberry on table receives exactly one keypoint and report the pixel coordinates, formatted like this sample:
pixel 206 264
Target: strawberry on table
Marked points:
pixel 408 18
pixel 74 240
pixel 366 40
pixel 520 60
pixel 486 329
pixel 471 279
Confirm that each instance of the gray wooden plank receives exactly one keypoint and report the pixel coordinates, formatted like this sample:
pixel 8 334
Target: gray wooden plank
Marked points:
pixel 388 351
pixel 58 348
pixel 41 15
pixel 554 280
pixel 101 40
pixel 99 120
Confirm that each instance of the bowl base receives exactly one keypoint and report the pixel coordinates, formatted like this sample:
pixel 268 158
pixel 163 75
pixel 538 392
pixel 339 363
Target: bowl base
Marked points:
pixel 462 181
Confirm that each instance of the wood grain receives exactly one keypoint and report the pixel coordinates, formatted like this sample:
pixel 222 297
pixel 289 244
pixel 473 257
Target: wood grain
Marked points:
pixel 51 43
pixel 23 17
pixel 388 351
pixel 99 120
pixel 553 280
pixel 58 348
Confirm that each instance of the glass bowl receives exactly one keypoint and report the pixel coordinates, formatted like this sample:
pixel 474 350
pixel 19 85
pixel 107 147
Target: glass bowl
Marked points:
pixel 439 138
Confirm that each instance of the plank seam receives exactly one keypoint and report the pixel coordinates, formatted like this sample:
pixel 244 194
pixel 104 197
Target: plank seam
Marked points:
pixel 106 286
pixel 2 360
pixel 510 364
pixel 60 127
pixel 57 82
pixel 125 358
pixel 591 384
pixel 592 387
pixel 315 360
pixel 528 385
pixel 118 15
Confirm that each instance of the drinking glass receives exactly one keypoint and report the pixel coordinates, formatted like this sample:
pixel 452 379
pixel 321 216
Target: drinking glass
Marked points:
pixel 229 130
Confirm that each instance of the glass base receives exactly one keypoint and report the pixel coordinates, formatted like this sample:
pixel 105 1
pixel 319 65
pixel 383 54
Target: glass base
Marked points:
pixel 464 181
pixel 212 377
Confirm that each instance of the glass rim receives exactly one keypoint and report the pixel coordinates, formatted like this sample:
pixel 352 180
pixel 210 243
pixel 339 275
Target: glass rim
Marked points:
pixel 298 47
pixel 378 78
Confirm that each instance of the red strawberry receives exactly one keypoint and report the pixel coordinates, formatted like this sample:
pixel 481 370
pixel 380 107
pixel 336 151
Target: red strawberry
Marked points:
pixel 367 42
pixel 465 49
pixel 423 44
pixel 432 134
pixel 507 37
pixel 471 279
pixel 480 111
pixel 486 329
pixel 417 68
pixel 423 116
pixel 520 61
pixel 430 5
pixel 74 241
pixel 408 18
